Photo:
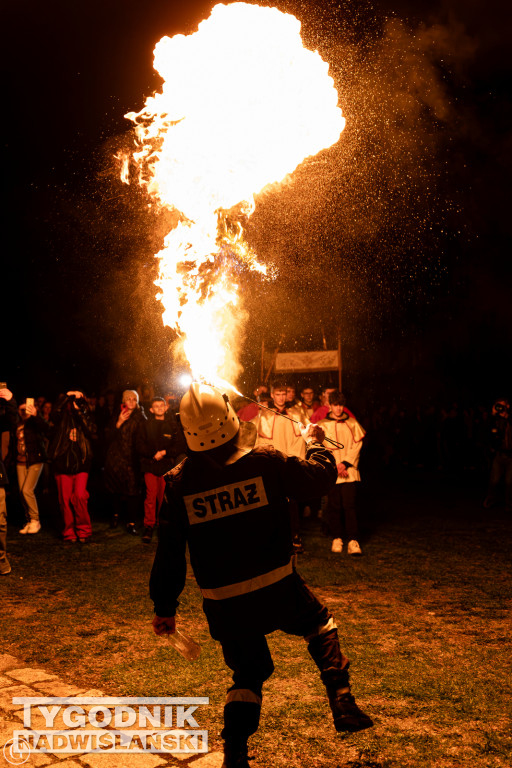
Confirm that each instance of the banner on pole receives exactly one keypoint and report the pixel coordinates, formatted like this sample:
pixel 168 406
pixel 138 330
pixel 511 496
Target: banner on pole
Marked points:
pixel 300 362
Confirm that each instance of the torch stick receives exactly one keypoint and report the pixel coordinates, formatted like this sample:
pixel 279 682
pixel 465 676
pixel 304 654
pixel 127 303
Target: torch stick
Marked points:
pixel 284 415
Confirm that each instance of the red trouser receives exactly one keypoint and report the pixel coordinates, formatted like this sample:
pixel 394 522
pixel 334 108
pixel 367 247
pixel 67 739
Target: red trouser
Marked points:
pixel 155 489
pixel 73 491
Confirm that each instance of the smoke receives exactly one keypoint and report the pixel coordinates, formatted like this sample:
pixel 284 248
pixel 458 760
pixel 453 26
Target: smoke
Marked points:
pixel 362 228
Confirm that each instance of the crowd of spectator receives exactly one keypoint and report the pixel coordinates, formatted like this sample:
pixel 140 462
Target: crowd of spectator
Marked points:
pixel 56 454
pixel 116 447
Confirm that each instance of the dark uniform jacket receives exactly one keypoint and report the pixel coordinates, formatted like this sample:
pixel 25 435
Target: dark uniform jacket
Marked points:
pixel 236 522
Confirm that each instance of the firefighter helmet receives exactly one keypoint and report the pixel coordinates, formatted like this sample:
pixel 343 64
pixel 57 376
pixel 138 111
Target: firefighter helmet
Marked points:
pixel 207 417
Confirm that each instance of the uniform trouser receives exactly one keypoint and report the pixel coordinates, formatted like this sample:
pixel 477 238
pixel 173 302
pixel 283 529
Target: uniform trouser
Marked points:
pixel 501 468
pixel 73 497
pixel 155 489
pixel 4 563
pixel 27 481
pixel 249 657
pixel 341 508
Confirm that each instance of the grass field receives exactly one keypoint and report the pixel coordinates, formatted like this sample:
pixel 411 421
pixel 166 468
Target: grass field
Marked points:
pixel 424 617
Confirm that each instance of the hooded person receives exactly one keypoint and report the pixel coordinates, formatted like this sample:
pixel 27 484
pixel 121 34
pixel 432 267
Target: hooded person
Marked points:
pixel 228 501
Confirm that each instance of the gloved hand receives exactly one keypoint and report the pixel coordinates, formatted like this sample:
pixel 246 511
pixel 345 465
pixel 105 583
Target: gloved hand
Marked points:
pixel 164 625
pixel 313 433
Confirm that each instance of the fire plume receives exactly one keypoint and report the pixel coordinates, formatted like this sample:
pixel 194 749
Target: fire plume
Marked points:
pixel 243 103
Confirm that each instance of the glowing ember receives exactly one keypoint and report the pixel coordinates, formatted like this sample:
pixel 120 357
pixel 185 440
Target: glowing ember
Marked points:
pixel 242 104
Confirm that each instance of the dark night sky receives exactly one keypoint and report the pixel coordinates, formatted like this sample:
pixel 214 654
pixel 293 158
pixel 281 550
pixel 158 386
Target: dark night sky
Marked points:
pixel 404 240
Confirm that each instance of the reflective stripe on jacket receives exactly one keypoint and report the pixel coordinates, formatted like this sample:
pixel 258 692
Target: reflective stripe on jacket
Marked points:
pixel 235 520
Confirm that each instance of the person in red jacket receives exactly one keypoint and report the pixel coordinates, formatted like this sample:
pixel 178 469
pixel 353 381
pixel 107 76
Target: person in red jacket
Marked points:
pixel 228 501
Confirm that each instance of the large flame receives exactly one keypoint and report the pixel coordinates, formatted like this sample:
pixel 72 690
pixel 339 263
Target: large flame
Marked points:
pixel 242 104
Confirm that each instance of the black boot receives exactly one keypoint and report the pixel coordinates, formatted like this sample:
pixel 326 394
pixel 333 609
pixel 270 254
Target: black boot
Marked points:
pixel 241 719
pixel 235 756
pixel 147 534
pixel 346 714
pixel 333 665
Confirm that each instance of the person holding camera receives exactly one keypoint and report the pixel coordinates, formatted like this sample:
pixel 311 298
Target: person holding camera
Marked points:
pixel 70 452
pixel 501 447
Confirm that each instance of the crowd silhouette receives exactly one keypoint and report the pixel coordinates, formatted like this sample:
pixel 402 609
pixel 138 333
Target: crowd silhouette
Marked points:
pixel 118 478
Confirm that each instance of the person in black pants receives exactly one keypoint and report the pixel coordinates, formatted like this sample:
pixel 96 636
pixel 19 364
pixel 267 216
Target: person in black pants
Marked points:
pixel 229 502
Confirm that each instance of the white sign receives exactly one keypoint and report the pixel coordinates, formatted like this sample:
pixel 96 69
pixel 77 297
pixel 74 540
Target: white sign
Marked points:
pixel 323 360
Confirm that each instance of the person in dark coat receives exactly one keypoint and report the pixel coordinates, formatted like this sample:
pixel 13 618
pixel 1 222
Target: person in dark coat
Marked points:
pixel 71 455
pixel 165 445
pixel 125 437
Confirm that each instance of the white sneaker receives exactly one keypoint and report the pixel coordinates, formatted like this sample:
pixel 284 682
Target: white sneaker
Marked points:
pixel 25 528
pixel 353 548
pixel 337 545
pixel 33 527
